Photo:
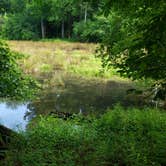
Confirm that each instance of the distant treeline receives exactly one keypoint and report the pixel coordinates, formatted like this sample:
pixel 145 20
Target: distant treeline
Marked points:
pixel 35 19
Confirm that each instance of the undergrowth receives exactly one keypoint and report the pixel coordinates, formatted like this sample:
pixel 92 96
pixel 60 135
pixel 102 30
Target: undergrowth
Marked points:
pixel 118 138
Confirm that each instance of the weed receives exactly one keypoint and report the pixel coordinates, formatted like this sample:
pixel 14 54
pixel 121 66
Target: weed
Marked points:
pixel 119 137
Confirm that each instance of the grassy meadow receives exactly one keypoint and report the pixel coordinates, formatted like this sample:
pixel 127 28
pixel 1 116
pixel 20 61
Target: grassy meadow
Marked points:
pixel 54 56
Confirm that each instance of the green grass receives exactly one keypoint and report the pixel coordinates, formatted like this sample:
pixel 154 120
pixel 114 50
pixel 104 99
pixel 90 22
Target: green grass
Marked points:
pixel 59 55
pixel 59 40
pixel 120 137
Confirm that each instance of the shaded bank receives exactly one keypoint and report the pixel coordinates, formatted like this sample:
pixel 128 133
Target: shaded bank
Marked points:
pixel 6 136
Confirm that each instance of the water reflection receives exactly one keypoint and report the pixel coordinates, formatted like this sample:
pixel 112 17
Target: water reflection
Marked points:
pixel 13 115
pixel 75 94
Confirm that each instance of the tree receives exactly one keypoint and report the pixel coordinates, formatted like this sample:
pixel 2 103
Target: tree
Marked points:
pixel 4 6
pixel 93 30
pixel 29 19
pixel 19 26
pixel 17 6
pixel 137 42
pixel 62 14
pixel 41 9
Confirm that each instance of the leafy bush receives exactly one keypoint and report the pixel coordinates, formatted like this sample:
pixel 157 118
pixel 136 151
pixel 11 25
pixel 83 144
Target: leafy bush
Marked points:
pixel 55 142
pixel 13 83
pixel 92 30
pixel 119 137
pixel 132 137
pixel 18 27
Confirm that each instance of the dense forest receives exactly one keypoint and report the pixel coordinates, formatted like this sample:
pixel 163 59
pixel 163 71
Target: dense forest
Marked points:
pixel 91 76
pixel 35 19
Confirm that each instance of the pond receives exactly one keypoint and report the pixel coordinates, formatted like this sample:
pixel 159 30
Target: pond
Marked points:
pixel 71 82
pixel 75 95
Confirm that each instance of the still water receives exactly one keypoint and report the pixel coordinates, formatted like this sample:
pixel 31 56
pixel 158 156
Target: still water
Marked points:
pixel 73 96
pixel 14 115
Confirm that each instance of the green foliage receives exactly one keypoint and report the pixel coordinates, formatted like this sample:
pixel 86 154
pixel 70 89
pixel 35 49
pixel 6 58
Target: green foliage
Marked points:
pixel 13 83
pixel 17 6
pixel 4 6
pixel 50 18
pixel 138 49
pixel 17 27
pixel 91 31
pixel 133 137
pixel 40 8
pixel 55 142
pixel 119 137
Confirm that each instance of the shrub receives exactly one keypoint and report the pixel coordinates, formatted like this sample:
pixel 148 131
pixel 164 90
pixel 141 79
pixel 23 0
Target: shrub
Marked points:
pixel 55 142
pixel 13 83
pixel 17 27
pixel 92 30
pixel 119 138
pixel 132 137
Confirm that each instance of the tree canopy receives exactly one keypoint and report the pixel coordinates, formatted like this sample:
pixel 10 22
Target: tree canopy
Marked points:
pixel 44 18
pixel 136 44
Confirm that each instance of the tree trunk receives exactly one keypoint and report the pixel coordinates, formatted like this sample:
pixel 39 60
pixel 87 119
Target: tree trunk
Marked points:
pixel 81 12
pixel 86 12
pixel 70 22
pixel 63 30
pixel 42 28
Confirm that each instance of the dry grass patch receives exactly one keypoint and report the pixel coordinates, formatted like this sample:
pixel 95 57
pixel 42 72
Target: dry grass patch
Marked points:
pixel 52 56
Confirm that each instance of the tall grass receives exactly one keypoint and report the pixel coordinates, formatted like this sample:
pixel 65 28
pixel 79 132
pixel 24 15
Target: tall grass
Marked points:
pixel 118 138
pixel 54 56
